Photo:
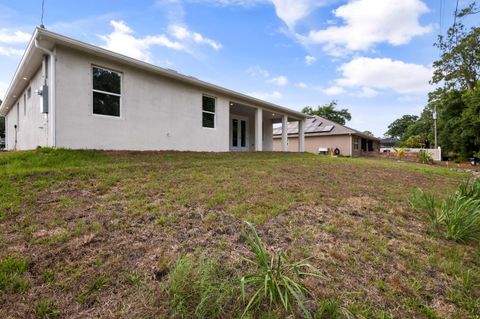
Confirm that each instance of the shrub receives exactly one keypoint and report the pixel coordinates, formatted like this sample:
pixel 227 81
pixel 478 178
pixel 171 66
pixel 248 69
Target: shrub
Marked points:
pixel 424 157
pixel 399 152
pixel 462 218
pixel 414 141
pixel 459 213
pixel 276 279
pixel 201 288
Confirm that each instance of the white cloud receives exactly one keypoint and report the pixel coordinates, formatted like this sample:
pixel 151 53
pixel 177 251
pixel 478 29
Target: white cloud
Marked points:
pixel 3 89
pixel 367 92
pixel 301 85
pixel 333 90
pixel 292 11
pixel 368 22
pixel 279 80
pixel 183 34
pixel 10 52
pixel 241 3
pixel 10 36
pixel 309 60
pixel 257 71
pixel 275 95
pixel 123 41
pixel 385 74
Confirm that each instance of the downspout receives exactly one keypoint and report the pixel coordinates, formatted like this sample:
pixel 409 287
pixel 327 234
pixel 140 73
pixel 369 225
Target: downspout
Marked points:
pixel 52 94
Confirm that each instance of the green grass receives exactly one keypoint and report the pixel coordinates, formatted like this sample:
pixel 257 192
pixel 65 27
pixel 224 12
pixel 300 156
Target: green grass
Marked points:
pixel 201 288
pixel 46 309
pixel 158 235
pixel 12 269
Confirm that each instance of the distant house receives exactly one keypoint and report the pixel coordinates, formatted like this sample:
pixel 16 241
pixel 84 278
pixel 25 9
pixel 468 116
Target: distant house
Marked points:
pixel 389 142
pixel 322 134
pixel 71 94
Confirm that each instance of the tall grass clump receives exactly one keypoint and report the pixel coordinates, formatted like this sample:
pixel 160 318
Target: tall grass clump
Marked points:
pixel 201 288
pixel 459 213
pixel 424 202
pixel 276 280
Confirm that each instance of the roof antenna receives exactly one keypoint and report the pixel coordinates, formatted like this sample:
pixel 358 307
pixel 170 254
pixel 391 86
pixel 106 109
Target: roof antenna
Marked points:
pixel 41 18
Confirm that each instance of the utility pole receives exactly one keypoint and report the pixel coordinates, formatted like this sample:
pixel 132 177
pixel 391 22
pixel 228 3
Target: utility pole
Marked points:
pixel 435 117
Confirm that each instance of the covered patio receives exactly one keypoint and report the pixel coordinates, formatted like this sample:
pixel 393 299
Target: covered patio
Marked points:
pixel 251 128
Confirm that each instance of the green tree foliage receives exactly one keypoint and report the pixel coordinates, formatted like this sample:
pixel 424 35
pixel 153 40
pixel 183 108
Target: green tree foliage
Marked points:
pixel 399 126
pixel 329 112
pixel 457 101
pixel 459 65
pixel 368 133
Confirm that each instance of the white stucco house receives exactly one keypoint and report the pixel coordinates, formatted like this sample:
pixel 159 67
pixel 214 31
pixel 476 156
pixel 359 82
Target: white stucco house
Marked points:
pixel 70 94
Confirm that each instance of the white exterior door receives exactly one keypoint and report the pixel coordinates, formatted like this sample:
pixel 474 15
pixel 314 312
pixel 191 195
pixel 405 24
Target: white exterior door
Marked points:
pixel 238 133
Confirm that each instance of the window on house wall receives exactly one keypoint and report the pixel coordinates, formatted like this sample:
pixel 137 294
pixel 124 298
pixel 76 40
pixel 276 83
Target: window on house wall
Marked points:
pixel 355 143
pixel 24 104
pixel 29 93
pixel 208 112
pixel 106 91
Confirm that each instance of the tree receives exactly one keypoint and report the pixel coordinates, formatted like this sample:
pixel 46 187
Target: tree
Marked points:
pixel 330 112
pixel 398 127
pixel 368 133
pixel 459 64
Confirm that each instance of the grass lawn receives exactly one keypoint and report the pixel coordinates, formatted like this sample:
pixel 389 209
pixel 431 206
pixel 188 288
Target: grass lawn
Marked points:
pixel 158 235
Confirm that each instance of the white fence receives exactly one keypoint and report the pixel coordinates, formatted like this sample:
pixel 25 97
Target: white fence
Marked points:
pixel 435 153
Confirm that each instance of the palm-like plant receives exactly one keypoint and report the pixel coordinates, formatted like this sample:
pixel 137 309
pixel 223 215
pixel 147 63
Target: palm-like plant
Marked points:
pixel 276 280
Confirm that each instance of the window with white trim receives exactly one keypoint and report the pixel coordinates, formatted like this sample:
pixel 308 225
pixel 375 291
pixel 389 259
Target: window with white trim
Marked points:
pixel 107 91
pixel 208 112
pixel 355 142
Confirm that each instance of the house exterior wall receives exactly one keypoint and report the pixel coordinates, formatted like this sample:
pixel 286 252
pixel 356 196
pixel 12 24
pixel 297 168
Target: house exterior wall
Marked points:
pixel 312 143
pixel 32 125
pixel 267 134
pixel 156 113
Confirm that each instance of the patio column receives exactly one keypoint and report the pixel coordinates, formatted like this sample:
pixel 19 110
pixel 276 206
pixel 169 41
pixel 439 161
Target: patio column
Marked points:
pixel 301 136
pixel 259 130
pixel 284 134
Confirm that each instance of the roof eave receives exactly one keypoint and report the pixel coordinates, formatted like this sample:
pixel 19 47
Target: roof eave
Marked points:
pixel 9 98
pixel 165 72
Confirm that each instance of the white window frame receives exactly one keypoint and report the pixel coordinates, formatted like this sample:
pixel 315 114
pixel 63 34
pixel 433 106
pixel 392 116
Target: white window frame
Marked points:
pixel 120 74
pixel 214 113
pixel 355 143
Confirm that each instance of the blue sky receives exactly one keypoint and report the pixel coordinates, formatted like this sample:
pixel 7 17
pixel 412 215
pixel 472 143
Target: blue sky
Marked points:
pixel 373 56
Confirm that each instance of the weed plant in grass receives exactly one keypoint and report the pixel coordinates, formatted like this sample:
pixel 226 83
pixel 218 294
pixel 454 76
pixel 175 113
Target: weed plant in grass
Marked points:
pixel 276 279
pixel 459 213
pixel 201 288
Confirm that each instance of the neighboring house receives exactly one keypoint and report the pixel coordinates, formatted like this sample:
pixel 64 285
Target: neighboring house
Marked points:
pixel 322 134
pixel 70 94
pixel 389 142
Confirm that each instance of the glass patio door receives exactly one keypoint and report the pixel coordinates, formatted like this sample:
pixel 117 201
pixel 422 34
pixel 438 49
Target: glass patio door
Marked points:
pixel 239 133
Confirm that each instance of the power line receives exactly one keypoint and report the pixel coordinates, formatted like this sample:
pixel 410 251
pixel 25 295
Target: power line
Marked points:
pixel 43 10
pixel 455 22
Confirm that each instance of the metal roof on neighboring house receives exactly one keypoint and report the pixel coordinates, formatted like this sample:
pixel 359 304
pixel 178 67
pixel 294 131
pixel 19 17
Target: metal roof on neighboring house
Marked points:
pixel 319 126
pixel 32 59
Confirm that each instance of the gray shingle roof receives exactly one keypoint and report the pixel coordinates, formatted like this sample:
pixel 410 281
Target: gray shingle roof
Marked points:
pixel 317 125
